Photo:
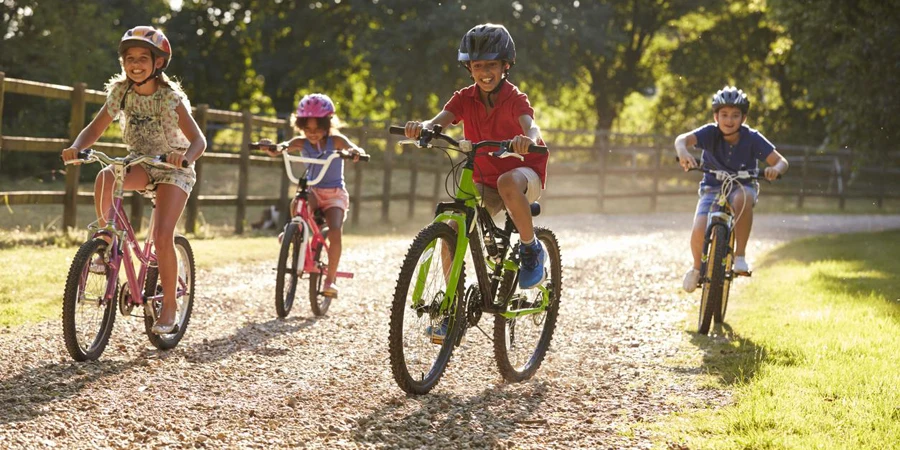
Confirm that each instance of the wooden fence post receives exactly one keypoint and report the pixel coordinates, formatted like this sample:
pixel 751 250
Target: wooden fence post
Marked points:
pixel 2 93
pixel 243 174
pixel 386 181
pixel 803 172
pixel 655 193
pixel 843 182
pixel 76 123
pixel 356 198
pixel 413 180
pixel 193 203
pixel 137 210
pixel 601 164
pixel 879 201
pixel 284 202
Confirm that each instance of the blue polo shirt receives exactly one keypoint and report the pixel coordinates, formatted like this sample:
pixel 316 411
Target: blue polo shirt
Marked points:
pixel 718 154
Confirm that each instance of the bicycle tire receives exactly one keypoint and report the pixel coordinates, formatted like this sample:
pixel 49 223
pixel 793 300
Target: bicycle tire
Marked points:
pixel 78 290
pixel 318 302
pixel 710 301
pixel 719 316
pixel 505 330
pixel 289 266
pixel 184 255
pixel 419 380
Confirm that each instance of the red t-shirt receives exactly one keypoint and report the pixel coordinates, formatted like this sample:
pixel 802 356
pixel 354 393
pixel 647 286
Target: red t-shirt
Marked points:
pixel 500 125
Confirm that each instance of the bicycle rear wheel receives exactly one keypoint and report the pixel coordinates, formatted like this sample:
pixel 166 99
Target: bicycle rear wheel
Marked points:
pixel 184 297
pixel 87 316
pixel 318 302
pixel 422 333
pixel 290 264
pixel 713 284
pixel 520 343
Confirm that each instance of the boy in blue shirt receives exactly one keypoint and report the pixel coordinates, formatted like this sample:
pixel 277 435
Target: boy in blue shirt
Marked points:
pixel 728 144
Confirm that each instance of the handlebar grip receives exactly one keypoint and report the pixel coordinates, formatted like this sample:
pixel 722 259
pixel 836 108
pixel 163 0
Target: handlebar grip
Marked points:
pixel 364 157
pixel 254 146
pixel 83 154
pixel 162 159
pixel 401 131
pixel 537 149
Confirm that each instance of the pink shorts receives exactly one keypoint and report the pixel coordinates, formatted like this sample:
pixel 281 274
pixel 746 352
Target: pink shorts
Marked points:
pixel 327 198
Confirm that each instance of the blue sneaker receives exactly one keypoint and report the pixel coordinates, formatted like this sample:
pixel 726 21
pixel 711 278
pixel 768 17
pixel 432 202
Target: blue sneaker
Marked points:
pixel 438 333
pixel 531 267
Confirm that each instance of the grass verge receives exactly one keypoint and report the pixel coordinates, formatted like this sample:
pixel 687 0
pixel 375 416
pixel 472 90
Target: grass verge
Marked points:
pixel 808 352
pixel 32 278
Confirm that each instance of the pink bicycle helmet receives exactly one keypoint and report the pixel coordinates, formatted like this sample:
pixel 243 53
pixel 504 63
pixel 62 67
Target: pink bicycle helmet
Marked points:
pixel 149 37
pixel 315 105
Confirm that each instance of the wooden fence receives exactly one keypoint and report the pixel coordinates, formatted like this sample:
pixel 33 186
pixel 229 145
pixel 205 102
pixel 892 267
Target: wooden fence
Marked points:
pixel 608 166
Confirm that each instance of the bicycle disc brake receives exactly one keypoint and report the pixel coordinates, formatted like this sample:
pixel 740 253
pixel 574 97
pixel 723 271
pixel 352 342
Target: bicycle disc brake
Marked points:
pixel 474 305
pixel 125 304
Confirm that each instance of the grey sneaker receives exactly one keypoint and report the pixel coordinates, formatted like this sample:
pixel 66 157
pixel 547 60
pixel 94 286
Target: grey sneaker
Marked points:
pixel 691 280
pixel 741 265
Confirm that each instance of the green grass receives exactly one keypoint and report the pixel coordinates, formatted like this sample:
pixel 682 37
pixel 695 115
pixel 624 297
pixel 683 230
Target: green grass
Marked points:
pixel 809 352
pixel 32 278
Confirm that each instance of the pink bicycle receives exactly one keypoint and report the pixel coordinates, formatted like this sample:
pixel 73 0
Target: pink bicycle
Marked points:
pixel 303 246
pixel 93 290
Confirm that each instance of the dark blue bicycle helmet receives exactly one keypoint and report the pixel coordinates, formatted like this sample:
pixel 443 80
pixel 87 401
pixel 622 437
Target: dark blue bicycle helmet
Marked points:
pixel 731 96
pixel 487 42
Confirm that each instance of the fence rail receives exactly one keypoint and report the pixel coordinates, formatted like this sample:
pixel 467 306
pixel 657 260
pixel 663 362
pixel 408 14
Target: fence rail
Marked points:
pixel 610 160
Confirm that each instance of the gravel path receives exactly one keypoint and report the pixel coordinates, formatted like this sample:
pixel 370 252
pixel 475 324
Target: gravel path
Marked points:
pixel 241 378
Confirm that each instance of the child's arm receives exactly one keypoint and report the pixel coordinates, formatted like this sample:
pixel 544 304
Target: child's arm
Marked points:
pixel 443 118
pixel 341 142
pixel 531 135
pixel 192 132
pixel 294 143
pixel 682 142
pixel 88 135
pixel 778 165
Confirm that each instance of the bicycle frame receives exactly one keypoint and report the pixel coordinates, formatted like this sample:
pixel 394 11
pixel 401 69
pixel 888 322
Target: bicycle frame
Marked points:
pixel 124 245
pixel 302 216
pixel 467 214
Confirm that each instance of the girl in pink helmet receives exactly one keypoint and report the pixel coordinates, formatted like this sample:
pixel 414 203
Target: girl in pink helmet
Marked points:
pixel 155 117
pixel 318 127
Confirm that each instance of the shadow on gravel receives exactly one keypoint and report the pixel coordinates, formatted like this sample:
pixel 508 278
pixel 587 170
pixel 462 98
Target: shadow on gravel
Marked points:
pixel 252 337
pixel 24 396
pixel 441 420
pixel 732 358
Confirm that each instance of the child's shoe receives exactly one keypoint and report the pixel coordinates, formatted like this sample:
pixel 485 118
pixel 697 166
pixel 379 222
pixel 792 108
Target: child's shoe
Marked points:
pixel 531 267
pixel 741 265
pixel 691 280
pixel 438 333
pixel 330 289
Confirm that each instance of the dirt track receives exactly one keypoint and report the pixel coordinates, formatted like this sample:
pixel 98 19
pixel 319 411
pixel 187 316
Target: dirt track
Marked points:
pixel 243 379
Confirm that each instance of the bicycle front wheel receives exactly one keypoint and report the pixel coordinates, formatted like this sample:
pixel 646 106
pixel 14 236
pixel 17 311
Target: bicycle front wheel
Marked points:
pixel 521 342
pixel 289 266
pixel 423 326
pixel 184 297
pixel 714 282
pixel 87 316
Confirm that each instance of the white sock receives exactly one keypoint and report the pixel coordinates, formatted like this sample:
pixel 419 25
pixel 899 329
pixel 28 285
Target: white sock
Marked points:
pixel 527 243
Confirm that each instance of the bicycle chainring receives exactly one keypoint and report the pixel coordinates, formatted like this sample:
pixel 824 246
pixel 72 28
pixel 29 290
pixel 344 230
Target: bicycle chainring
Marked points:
pixel 474 305
pixel 125 303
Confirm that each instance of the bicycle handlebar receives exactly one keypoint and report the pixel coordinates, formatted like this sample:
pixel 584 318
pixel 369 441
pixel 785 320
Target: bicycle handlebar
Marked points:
pixel 90 155
pixel 427 135
pixel 740 175
pixel 325 163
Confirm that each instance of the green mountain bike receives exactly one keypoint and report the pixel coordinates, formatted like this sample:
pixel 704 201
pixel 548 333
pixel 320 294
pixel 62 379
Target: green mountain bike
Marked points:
pixel 432 309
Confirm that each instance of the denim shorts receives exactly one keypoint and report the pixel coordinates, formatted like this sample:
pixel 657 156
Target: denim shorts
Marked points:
pixel 708 196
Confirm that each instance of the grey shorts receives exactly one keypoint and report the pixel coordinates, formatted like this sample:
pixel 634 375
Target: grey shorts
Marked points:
pixel 708 196
pixel 492 201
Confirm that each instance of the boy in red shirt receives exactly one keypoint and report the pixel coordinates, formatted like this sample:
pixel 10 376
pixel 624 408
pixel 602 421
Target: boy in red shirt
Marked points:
pixel 495 109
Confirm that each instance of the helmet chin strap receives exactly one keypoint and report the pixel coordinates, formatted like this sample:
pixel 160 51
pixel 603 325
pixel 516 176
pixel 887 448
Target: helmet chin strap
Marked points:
pixel 131 84
pixel 495 90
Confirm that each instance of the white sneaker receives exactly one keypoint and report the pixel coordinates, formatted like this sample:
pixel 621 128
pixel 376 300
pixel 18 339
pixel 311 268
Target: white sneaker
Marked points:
pixel 691 279
pixel 741 265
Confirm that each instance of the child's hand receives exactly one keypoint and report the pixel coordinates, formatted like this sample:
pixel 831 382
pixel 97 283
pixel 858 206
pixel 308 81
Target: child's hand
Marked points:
pixel 357 152
pixel 269 147
pixel 772 173
pixel 521 143
pixel 413 129
pixel 175 159
pixel 686 160
pixel 69 154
